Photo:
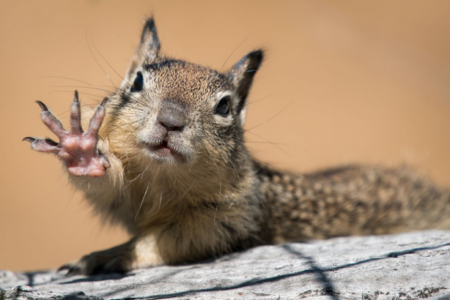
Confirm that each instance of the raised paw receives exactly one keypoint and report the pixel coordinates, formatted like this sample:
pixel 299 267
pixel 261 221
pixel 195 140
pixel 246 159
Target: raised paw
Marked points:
pixel 76 148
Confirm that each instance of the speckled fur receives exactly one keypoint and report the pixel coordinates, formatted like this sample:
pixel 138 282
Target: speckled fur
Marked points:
pixel 220 199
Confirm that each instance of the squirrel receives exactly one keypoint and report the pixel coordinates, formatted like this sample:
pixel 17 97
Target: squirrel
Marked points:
pixel 164 156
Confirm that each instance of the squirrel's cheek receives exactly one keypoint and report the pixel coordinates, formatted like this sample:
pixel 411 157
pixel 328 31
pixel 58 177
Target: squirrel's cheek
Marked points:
pixel 223 121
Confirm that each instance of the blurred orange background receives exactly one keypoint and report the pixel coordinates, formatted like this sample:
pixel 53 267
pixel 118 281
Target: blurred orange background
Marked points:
pixel 344 81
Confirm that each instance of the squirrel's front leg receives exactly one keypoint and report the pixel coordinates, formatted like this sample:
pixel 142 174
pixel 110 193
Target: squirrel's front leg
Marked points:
pixel 139 252
pixel 95 170
pixel 76 148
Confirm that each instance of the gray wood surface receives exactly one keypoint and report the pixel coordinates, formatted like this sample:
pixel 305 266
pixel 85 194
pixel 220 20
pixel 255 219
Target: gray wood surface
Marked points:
pixel 404 266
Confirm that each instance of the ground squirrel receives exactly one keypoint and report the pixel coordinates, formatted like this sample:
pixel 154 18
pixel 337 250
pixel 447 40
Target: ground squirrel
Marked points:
pixel 164 156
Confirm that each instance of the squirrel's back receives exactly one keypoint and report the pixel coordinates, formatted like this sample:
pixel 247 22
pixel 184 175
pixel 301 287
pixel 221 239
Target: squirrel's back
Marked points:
pixel 351 200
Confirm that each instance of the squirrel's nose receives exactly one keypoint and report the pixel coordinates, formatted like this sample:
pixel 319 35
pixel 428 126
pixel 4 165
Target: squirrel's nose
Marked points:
pixel 172 115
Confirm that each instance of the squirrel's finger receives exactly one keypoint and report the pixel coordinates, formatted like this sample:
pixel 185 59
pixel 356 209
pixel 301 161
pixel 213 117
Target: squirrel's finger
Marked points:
pixel 96 120
pixel 72 269
pixel 64 267
pixel 75 115
pixel 104 160
pixel 50 120
pixel 42 145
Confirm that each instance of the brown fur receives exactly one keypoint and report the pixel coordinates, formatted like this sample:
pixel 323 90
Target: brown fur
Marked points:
pixel 217 198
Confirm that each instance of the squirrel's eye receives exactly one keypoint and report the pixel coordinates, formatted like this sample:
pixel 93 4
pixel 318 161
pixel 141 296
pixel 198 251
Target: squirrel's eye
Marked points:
pixel 223 107
pixel 138 83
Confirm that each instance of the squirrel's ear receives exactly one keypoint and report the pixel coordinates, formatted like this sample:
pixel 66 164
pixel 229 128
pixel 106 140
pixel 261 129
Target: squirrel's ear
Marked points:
pixel 148 49
pixel 149 46
pixel 241 75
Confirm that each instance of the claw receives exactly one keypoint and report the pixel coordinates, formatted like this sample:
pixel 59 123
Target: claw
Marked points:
pixel 71 269
pixel 63 267
pixel 105 161
pixel 42 105
pixel 51 121
pixel 104 101
pixel 42 145
pixel 96 121
pixel 29 139
pixel 75 115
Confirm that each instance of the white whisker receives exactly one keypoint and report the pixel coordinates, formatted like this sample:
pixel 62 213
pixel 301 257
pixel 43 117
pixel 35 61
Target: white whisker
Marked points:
pixel 142 201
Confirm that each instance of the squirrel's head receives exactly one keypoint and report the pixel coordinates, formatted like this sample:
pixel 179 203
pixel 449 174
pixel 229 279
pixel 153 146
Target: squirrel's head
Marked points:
pixel 175 112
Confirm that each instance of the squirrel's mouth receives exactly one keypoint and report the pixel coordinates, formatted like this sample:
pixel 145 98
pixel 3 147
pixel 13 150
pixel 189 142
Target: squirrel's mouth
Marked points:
pixel 164 148
pixel 165 152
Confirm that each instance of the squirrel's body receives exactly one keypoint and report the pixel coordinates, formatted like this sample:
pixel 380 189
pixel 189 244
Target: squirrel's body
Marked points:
pixel 169 164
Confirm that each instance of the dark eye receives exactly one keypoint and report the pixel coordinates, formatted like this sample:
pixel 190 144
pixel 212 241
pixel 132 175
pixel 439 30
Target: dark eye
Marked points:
pixel 223 107
pixel 138 83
